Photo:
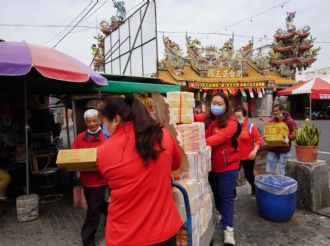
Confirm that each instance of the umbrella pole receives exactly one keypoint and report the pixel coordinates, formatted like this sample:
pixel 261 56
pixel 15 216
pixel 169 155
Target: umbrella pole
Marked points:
pixel 67 127
pixel 26 138
pixel 74 118
pixel 310 106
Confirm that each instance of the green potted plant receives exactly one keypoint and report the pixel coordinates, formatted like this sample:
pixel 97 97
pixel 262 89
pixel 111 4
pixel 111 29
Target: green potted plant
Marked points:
pixel 307 141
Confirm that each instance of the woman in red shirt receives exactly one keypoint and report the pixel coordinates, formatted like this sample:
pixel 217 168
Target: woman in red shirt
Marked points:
pixel 249 142
pixel 137 162
pixel 222 130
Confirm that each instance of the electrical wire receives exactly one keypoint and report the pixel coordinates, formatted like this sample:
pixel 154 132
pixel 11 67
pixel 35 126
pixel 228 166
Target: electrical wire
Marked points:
pixel 210 33
pixel 60 32
pixel 80 20
pixel 253 16
pixel 43 26
pixel 96 11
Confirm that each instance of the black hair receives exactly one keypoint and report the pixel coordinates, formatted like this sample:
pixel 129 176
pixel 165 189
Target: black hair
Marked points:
pixel 241 109
pixel 148 134
pixel 279 106
pixel 234 139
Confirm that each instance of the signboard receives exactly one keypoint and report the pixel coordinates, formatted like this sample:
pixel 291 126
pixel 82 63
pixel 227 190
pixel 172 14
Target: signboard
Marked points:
pixel 320 96
pixel 225 85
pixel 132 48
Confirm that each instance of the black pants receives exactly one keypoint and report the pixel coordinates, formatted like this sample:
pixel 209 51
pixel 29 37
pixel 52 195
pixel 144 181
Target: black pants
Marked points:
pixel 169 242
pixel 95 198
pixel 248 166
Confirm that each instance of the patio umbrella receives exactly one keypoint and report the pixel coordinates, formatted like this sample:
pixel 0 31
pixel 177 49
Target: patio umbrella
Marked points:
pixel 317 89
pixel 21 59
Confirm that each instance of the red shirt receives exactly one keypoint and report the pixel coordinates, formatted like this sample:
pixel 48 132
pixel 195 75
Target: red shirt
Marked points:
pixel 143 210
pixel 87 140
pixel 247 140
pixel 224 156
pixel 292 128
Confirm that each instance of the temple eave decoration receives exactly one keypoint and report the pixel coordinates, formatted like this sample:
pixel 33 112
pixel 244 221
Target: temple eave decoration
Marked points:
pixel 215 68
pixel 292 48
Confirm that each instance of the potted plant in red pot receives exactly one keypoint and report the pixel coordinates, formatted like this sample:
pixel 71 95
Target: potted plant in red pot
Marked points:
pixel 307 141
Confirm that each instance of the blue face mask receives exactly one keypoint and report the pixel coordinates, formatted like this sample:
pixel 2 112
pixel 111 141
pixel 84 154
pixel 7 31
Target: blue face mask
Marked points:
pixel 218 110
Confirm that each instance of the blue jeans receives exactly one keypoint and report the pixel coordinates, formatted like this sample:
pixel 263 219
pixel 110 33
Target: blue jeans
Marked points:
pixel 277 158
pixel 223 187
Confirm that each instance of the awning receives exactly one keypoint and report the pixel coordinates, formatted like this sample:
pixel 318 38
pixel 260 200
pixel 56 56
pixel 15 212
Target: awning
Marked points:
pixel 134 87
pixel 46 86
pixel 317 88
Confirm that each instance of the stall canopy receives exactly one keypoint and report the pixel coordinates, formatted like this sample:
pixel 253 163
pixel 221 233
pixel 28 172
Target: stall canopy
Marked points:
pixel 134 87
pixel 317 88
pixel 39 85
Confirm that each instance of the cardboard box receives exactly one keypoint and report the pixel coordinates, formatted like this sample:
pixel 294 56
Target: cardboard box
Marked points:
pixel 274 134
pixel 82 160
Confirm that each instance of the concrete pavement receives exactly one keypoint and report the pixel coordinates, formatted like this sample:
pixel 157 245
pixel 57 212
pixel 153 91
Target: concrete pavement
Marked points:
pixel 59 225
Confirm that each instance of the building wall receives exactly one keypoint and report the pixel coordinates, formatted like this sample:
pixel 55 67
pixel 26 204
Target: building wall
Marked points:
pixel 264 105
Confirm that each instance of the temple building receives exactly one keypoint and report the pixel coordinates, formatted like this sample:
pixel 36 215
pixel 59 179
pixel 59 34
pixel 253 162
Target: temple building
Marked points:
pixel 211 69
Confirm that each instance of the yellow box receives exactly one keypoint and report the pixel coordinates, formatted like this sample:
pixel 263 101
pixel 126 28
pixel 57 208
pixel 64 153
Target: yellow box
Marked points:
pixel 82 160
pixel 274 134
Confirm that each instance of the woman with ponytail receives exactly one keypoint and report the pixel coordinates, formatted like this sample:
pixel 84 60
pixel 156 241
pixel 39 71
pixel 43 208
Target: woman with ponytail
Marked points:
pixel 137 162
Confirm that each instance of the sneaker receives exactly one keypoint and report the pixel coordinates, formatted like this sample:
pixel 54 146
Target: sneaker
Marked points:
pixel 253 196
pixel 235 198
pixel 229 236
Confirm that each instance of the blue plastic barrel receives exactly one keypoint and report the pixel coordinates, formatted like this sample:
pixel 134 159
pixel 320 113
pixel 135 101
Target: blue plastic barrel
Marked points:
pixel 276 197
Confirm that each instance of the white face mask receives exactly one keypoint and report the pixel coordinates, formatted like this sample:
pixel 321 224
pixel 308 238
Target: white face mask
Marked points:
pixel 241 121
pixel 94 132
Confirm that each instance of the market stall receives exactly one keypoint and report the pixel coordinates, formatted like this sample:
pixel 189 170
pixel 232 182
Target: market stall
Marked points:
pixel 316 89
pixel 27 69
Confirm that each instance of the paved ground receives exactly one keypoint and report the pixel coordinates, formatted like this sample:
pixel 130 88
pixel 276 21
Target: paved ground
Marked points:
pixel 303 229
pixel 59 225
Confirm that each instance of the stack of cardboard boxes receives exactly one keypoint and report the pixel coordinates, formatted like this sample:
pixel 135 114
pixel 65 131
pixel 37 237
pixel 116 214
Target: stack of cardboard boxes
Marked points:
pixel 194 178
pixel 181 106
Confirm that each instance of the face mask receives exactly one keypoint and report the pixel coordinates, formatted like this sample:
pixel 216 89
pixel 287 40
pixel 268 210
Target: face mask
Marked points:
pixel 94 132
pixel 241 121
pixel 218 110
pixel 279 116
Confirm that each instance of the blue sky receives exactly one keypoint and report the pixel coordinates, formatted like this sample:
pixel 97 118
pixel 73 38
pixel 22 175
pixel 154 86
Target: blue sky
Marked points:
pixel 173 15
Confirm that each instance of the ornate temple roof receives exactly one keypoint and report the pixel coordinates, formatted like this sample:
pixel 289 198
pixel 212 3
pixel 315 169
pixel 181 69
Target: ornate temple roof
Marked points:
pixel 214 68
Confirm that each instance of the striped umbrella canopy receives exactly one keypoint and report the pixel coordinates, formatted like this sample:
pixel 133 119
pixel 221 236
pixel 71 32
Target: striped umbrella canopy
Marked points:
pixel 18 59
pixel 318 89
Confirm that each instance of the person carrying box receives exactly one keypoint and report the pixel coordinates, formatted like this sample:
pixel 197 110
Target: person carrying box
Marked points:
pixel 95 185
pixel 279 155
